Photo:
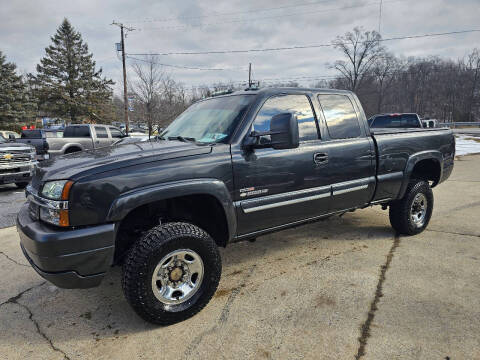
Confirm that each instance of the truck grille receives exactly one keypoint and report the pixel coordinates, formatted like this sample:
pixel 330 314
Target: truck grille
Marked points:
pixel 13 157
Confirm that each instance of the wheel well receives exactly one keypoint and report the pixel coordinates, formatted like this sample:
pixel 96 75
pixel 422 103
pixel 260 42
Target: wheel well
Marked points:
pixel 202 210
pixel 72 149
pixel 428 170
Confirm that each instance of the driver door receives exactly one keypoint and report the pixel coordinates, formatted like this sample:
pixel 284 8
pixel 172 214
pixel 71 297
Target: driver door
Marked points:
pixel 278 187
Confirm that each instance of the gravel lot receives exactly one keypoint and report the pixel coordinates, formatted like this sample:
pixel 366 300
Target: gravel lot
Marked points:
pixel 344 288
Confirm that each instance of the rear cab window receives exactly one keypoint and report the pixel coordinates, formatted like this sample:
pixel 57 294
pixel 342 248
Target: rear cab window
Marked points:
pixel 296 104
pixel 76 131
pixel 31 134
pixel 340 116
pixel 396 121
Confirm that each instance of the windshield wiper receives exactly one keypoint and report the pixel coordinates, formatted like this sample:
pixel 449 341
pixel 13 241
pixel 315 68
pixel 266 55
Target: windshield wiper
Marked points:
pixel 181 138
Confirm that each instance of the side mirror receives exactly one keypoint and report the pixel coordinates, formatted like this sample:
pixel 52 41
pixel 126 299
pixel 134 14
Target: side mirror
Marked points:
pixel 283 133
pixel 11 137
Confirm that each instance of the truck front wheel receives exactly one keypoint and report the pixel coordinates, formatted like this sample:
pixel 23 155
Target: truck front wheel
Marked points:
pixel 171 273
pixel 411 214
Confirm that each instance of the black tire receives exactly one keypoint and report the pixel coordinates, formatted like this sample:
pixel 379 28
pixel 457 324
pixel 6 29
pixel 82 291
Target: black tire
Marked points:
pixel 21 185
pixel 145 255
pixel 400 210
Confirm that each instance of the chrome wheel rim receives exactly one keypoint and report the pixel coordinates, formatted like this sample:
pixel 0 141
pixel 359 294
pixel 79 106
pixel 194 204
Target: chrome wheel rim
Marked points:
pixel 418 210
pixel 177 277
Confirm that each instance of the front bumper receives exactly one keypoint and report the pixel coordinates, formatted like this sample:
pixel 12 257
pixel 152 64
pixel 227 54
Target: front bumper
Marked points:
pixel 68 258
pixel 21 174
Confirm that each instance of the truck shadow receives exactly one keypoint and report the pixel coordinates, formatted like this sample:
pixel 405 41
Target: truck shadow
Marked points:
pixel 8 188
pixel 102 313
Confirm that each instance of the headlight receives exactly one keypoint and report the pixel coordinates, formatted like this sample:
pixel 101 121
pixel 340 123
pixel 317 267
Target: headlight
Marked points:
pixel 54 189
pixel 54 216
pixel 55 210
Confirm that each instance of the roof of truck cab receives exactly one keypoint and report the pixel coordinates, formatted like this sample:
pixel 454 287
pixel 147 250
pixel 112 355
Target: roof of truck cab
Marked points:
pixel 275 90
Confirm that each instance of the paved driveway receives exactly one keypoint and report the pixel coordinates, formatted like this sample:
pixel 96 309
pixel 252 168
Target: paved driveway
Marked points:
pixel 343 288
pixel 11 200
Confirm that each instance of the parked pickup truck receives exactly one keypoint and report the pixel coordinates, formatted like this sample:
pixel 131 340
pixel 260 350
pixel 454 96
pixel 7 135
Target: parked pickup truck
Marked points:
pixel 229 168
pixel 83 137
pixel 38 138
pixel 17 162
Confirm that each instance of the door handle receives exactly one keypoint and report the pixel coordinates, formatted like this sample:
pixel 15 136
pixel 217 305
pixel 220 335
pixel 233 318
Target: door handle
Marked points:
pixel 320 158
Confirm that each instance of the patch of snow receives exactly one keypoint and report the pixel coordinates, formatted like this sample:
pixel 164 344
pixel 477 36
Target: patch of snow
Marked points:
pixel 464 145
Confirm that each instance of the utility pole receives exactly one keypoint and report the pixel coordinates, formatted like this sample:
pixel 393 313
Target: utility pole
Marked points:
pixel 380 17
pixel 122 42
pixel 249 75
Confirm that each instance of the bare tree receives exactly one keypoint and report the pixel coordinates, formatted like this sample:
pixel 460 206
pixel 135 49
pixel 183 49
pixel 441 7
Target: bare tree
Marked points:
pixel 473 66
pixel 147 87
pixel 361 49
pixel 172 100
pixel 383 72
pixel 158 98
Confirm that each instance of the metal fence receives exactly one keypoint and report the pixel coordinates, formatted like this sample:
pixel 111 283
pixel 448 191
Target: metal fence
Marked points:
pixel 460 124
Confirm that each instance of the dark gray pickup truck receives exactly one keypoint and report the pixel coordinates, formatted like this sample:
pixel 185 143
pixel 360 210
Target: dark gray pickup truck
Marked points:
pixel 229 168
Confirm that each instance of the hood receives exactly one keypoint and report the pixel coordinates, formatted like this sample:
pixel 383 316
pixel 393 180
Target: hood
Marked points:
pixel 12 146
pixel 84 163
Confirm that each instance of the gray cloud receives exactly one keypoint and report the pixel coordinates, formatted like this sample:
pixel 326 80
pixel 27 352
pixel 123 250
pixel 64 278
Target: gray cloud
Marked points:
pixel 26 27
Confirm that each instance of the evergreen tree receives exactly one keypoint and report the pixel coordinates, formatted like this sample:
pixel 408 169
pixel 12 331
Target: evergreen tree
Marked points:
pixel 68 83
pixel 14 102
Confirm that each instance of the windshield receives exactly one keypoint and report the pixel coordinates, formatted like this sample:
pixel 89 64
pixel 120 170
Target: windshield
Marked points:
pixel 2 139
pixel 210 121
pixel 396 121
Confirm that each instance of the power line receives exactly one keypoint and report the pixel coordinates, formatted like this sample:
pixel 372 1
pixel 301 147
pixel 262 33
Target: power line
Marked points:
pixel 179 27
pixel 399 72
pixel 184 66
pixel 228 13
pixel 299 47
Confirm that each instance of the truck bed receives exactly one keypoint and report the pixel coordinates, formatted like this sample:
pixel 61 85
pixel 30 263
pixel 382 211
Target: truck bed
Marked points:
pixel 381 131
pixel 395 147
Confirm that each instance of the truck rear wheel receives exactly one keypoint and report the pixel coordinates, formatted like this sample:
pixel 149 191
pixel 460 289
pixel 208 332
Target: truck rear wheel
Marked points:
pixel 411 214
pixel 171 273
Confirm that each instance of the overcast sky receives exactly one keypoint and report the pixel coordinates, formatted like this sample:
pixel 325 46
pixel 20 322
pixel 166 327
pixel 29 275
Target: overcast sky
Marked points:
pixel 170 26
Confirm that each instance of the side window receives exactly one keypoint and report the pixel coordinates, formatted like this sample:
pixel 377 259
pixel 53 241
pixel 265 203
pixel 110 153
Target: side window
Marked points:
pixel 341 118
pixel 115 133
pixel 76 131
pixel 298 104
pixel 101 132
pixel 50 134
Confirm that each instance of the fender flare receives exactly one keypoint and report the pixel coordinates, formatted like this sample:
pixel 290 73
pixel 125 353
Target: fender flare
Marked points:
pixel 413 160
pixel 206 186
